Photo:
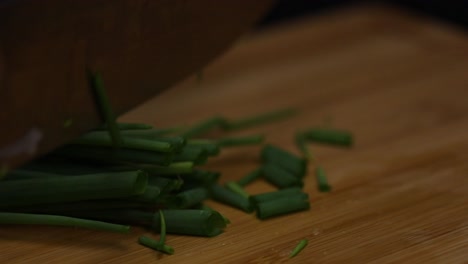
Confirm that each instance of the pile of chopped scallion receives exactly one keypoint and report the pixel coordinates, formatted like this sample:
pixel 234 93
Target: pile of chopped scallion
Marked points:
pixel 128 174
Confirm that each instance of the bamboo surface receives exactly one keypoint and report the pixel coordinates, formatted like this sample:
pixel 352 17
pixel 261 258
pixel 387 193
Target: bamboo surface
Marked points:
pixel 400 194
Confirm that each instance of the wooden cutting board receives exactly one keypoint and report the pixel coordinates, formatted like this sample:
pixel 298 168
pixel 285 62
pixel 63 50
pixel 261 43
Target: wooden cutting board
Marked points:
pixel 399 82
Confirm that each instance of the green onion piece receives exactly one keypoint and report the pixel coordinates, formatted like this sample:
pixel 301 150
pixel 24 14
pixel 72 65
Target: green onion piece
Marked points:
pixel 156 245
pixel 259 119
pixel 128 126
pixel 235 187
pixel 240 141
pixel 111 156
pixel 188 198
pixel 203 127
pixel 249 178
pixel 165 185
pixel 211 148
pixel 56 220
pixel 284 159
pixel 194 154
pixel 302 244
pixel 148 133
pixel 301 143
pixel 206 207
pixel 105 109
pixel 70 189
pixel 175 168
pixel 280 177
pixel 330 136
pixel 150 195
pixel 192 222
pixel 103 140
pixel 269 196
pixel 322 182
pixel 162 232
pixel 282 206
pixel 203 176
pixel 124 216
pixel 231 198
pixel 83 206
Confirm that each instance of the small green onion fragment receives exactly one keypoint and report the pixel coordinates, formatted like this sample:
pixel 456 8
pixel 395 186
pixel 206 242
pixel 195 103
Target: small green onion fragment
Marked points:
pixel 280 177
pixel 235 187
pixel 231 198
pixel 249 178
pixel 105 109
pixel 103 140
pixel 56 220
pixel 207 208
pixel 259 119
pixel 188 198
pixel 302 244
pixel 129 126
pixel 322 182
pixel 241 141
pixel 192 222
pixel 156 245
pixel 203 127
pixel 111 156
pixel 284 159
pixel 282 206
pixel 175 168
pixel 71 189
pixel 162 232
pixel 196 155
pixel 211 148
pixel 270 196
pixel 329 136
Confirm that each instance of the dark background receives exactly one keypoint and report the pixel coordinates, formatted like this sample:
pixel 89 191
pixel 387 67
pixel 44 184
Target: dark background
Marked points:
pixel 451 11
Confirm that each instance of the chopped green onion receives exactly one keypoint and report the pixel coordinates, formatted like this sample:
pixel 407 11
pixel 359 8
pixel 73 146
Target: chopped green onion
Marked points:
pixel 259 119
pixel 206 207
pixel 148 133
pixel 196 155
pixel 188 198
pixel 103 140
pixel 282 206
pixel 329 136
pixel 156 245
pixel 192 222
pixel 105 109
pixel 70 189
pixel 249 178
pixel 111 156
pixel 203 127
pixel 211 148
pixel 284 159
pixel 240 141
pixel 269 196
pixel 302 244
pixel 174 168
pixel 280 177
pixel 322 182
pixel 203 176
pixel 235 187
pixel 56 220
pixel 231 198
pixel 129 126
pixel 162 231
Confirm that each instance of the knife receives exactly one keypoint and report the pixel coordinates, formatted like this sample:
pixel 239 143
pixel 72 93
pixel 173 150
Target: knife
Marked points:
pixel 140 47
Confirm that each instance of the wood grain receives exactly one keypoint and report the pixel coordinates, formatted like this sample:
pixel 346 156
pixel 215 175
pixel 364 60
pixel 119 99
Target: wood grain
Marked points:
pixel 399 82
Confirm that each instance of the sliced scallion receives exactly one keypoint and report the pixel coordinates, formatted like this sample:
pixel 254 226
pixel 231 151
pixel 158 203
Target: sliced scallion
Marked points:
pixel 329 136
pixel 56 220
pixel 322 182
pixel 302 244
